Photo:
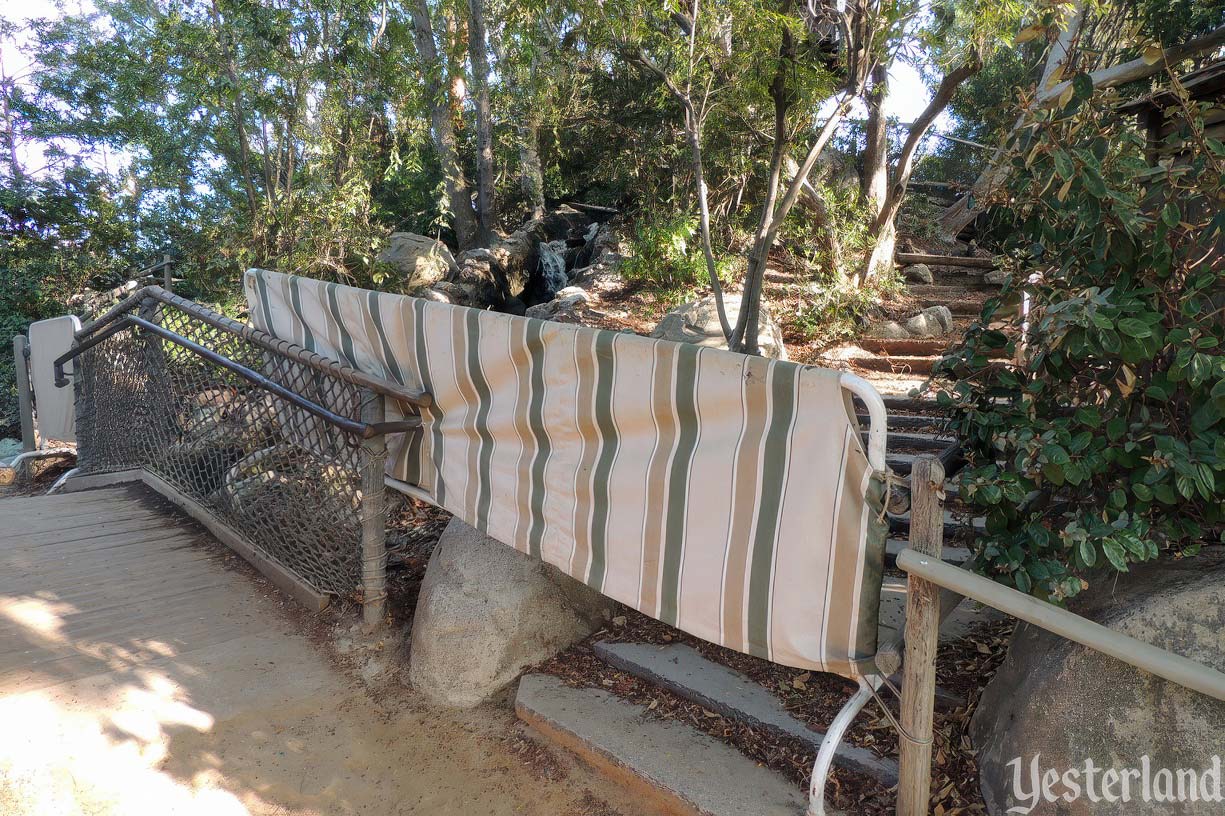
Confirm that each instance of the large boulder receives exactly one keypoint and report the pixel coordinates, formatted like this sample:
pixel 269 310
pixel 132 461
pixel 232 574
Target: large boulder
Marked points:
pixel 418 259
pixel 1067 704
pixel 486 612
pixel 918 273
pixel 698 322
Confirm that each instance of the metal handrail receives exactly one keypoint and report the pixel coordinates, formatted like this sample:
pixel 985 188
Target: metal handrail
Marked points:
pixel 1164 664
pixel 365 430
pixel 411 396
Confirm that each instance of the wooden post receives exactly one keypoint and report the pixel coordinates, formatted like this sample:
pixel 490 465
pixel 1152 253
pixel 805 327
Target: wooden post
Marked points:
pixel 922 637
pixel 373 510
pixel 25 402
pixel 167 279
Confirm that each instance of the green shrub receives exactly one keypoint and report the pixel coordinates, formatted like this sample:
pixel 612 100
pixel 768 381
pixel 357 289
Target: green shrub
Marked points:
pixel 1106 445
pixel 667 255
pixel 836 307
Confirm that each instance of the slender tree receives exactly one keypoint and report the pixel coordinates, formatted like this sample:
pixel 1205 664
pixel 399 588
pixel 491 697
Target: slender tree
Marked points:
pixel 433 76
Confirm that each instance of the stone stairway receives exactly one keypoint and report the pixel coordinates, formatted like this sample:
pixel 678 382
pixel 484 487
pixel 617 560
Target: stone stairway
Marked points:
pixel 898 365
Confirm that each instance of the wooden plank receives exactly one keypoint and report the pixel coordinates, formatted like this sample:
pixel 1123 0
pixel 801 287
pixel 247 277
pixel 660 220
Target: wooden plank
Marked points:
pixel 944 260
pixel 71 570
pixel 922 638
pixel 284 579
pixel 44 536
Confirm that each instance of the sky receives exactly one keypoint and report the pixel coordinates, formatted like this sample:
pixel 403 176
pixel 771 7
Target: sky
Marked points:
pixel 908 94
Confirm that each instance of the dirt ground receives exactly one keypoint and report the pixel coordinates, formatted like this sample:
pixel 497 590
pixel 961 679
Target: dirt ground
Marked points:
pixel 144 669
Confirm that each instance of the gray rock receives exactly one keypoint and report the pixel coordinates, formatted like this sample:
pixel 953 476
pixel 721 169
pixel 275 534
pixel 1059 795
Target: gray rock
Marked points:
pixel 931 322
pixel 607 242
pixel 918 273
pixel 1068 703
pixel 997 277
pixel 436 295
pixel 422 261
pixel 486 612
pixel 479 254
pixel 565 306
pixel 888 329
pixel 698 322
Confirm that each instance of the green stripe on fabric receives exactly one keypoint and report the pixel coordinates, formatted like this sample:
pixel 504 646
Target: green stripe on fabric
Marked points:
pixel 261 285
pixel 535 422
pixel 484 399
pixel 685 402
pixel 435 411
pixel 606 370
pixel 346 338
pixel 389 356
pixel 770 502
pixel 295 303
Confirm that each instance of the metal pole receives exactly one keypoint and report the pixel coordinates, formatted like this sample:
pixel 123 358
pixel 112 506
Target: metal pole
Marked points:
pixel 373 512
pixel 922 638
pixel 167 282
pixel 25 402
pixel 1145 656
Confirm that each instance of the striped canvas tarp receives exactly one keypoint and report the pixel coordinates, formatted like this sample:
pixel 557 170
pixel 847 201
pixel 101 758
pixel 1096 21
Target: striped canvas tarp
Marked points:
pixel 729 496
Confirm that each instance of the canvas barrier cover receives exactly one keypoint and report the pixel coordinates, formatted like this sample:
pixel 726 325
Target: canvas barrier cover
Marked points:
pixel 727 495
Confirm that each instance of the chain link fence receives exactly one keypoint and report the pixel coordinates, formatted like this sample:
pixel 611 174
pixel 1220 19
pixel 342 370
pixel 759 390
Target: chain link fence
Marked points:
pixel 282 446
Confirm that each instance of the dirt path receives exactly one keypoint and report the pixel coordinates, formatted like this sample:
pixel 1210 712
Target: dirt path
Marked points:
pixel 145 670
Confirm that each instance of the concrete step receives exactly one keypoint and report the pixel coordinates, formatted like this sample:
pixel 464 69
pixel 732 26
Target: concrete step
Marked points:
pixel 931 259
pixel 902 364
pixel 951 555
pixel 906 422
pixel 944 292
pixel 904 346
pixel 899 525
pixel 964 619
pixel 918 441
pixel 901 463
pixel 912 405
pixel 676 767
pixel 684 672
pixel 965 307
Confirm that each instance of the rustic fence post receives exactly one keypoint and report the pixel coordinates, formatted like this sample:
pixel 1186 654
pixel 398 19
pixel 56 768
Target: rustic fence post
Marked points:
pixel 922 638
pixel 373 510
pixel 25 402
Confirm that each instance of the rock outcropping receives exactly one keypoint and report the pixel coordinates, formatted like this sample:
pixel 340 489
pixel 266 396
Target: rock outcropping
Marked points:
pixel 1066 704
pixel 418 259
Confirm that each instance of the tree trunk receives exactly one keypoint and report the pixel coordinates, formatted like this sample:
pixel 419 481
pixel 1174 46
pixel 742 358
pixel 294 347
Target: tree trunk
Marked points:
pixel 773 217
pixel 874 184
pixel 238 111
pixel 884 228
pixel 7 86
pixel 744 335
pixel 531 176
pixel 692 129
pixel 478 54
pixel 459 195
pixel 693 136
